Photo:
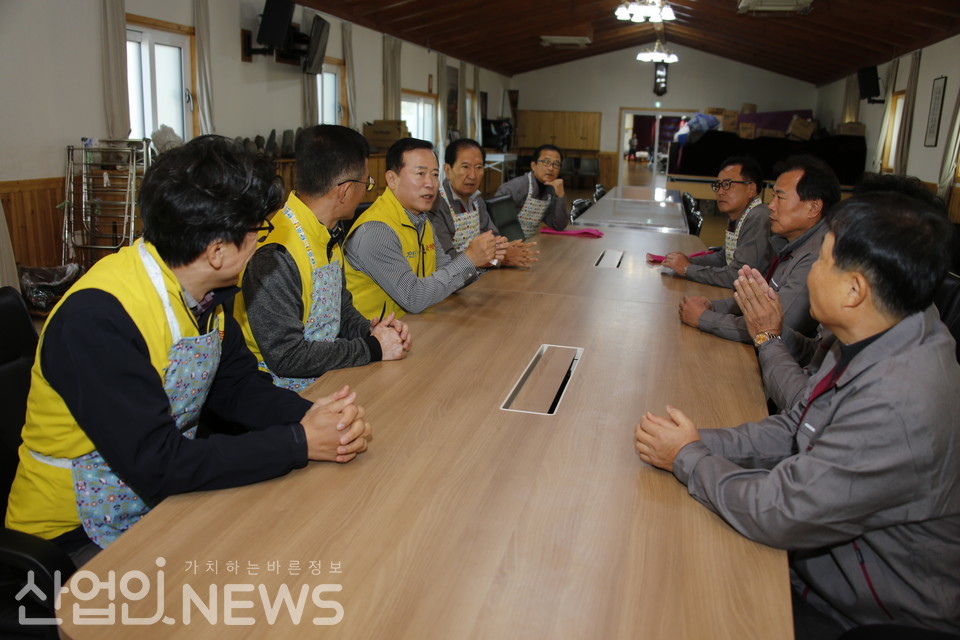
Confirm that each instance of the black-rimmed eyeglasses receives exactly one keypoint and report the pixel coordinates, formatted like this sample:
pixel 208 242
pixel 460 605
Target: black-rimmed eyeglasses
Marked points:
pixel 726 184
pixel 370 183
pixel 267 226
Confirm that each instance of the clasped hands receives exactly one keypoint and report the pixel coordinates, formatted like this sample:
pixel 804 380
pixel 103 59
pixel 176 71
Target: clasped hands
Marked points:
pixel 758 302
pixel 658 439
pixel 336 428
pixel 393 336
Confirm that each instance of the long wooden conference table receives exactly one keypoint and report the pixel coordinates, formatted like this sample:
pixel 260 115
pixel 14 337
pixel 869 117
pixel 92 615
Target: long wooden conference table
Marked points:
pixel 468 520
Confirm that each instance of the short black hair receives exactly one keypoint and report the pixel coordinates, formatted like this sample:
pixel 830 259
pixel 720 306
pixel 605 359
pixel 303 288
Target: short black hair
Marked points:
pixel 900 244
pixel 546 147
pixel 400 147
pixel 819 181
pixel 327 154
pixel 749 169
pixel 453 149
pixel 207 190
pixel 907 185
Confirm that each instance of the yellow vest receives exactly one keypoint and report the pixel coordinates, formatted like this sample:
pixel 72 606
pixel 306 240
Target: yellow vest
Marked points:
pixel 368 297
pixel 285 233
pixel 42 497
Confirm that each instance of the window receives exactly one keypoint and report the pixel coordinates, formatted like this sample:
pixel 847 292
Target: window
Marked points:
pixel 893 130
pixel 419 110
pixel 159 81
pixel 332 93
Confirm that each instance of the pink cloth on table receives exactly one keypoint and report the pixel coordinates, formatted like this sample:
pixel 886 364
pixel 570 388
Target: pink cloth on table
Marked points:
pixel 586 232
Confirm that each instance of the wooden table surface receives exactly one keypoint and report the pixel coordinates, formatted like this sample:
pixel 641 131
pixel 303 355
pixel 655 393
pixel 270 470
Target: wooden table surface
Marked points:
pixel 638 207
pixel 464 520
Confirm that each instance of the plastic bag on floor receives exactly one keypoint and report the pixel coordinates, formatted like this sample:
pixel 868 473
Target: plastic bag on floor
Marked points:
pixel 42 287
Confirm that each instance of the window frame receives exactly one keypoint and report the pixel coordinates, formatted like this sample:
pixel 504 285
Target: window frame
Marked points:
pixel 339 67
pixel 893 130
pixel 137 22
pixel 422 96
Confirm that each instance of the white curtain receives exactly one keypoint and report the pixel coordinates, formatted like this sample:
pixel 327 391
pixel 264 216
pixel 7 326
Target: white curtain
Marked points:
pixel 476 123
pixel 204 98
pixel 113 61
pixel 851 100
pixel 462 118
pixel 948 169
pixel 887 102
pixel 310 112
pixel 899 163
pixel 441 99
pixel 391 78
pixel 347 31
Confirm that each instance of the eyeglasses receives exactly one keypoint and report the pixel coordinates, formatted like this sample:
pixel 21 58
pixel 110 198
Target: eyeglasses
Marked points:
pixel 549 164
pixel 370 183
pixel 267 226
pixel 726 184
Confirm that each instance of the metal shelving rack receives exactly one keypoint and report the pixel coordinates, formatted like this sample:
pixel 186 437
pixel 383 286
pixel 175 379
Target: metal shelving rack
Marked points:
pixel 100 213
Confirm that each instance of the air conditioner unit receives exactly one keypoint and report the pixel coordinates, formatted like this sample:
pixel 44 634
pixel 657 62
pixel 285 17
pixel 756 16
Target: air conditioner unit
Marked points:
pixel 782 6
pixel 568 42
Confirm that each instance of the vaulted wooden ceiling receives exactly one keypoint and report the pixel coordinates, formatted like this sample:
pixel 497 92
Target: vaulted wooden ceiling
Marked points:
pixel 833 40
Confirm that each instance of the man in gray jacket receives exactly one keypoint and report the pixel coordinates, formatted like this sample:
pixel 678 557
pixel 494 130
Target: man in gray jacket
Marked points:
pixel 539 193
pixel 788 362
pixel 860 480
pixel 805 190
pixel 739 189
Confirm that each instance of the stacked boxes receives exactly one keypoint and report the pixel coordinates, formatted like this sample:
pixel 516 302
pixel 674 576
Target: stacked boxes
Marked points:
pixel 383 133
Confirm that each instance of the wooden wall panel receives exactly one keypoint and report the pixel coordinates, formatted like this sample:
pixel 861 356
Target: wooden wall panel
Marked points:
pixel 608 169
pixel 954 206
pixel 34 221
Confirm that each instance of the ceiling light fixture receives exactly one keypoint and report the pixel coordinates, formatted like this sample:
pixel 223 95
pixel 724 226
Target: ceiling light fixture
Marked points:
pixel 657 53
pixel 643 10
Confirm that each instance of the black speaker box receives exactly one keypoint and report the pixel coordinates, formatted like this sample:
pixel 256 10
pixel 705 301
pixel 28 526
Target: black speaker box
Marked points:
pixel 275 22
pixel 869 82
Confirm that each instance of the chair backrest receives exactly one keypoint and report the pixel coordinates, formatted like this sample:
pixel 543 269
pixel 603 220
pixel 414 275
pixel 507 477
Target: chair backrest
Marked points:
pixel 589 166
pixel 567 166
pixel 18 345
pixel 579 206
pixel 691 209
pixel 503 212
pixel 947 299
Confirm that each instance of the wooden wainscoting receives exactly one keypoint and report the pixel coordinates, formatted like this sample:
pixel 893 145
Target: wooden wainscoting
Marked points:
pixel 608 169
pixel 34 221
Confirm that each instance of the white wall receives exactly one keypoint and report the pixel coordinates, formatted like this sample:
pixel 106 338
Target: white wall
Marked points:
pixel 936 60
pixel 50 78
pixel 699 80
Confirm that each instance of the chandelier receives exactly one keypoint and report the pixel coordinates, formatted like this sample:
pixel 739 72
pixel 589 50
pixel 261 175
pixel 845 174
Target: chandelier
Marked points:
pixel 657 53
pixel 641 10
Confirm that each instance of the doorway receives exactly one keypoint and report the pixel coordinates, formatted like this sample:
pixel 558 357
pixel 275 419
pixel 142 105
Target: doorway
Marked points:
pixel 644 144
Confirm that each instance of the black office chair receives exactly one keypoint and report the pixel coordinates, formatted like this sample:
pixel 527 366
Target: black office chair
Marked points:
pixel 21 552
pixel 568 168
pixel 579 206
pixel 503 212
pixel 691 209
pixel 589 168
pixel 947 299
pixel 598 192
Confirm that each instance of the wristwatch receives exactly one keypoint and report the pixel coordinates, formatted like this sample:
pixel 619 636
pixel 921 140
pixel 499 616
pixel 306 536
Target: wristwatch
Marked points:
pixel 764 336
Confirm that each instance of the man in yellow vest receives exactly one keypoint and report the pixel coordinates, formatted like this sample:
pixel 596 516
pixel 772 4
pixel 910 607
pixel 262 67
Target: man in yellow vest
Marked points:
pixel 296 313
pixel 141 343
pixel 393 266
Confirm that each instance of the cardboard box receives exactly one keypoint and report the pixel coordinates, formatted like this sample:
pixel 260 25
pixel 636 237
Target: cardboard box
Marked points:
pixel 852 129
pixel 383 133
pixel 714 111
pixel 801 129
pixel 748 107
pixel 771 133
pixel 729 121
pixel 747 130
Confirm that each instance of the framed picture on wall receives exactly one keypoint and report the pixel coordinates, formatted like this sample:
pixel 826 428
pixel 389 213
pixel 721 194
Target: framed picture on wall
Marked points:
pixel 936 110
